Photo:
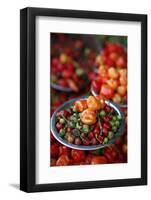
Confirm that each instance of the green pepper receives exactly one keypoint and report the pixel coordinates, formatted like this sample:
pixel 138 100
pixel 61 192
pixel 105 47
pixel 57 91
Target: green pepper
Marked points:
pixel 110 135
pixel 85 128
pixel 119 117
pixel 62 121
pixel 114 128
pixel 114 118
pixel 105 141
pixel 102 113
pixel 71 124
pixel 112 123
pixel 117 123
pixel 62 132
pixel 74 119
pixel 79 71
pixel 78 126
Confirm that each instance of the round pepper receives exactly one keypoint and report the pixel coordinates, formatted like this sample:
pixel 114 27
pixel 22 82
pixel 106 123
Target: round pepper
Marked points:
pixel 93 103
pixel 81 105
pixel 88 117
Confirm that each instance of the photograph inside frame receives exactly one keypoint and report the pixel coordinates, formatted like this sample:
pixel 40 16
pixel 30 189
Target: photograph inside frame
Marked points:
pixel 88 92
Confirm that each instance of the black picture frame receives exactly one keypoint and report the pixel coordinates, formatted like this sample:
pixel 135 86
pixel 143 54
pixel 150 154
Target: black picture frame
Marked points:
pixel 28 98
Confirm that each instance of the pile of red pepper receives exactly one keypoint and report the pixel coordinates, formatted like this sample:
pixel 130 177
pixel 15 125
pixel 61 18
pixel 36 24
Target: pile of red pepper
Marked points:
pixel 63 156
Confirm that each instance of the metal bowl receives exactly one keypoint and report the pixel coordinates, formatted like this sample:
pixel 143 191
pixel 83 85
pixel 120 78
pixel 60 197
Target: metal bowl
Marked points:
pixel 67 89
pixel 95 94
pixel 83 147
pixel 90 42
pixel 60 88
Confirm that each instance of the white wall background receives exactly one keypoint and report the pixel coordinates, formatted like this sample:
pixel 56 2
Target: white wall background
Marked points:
pixel 9 98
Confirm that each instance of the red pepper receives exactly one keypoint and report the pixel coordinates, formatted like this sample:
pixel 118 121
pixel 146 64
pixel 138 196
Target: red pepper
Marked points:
pixel 98 160
pixel 63 160
pixel 54 150
pixel 77 155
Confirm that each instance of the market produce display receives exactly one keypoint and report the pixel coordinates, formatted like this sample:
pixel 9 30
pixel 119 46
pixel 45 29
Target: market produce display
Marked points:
pixel 111 77
pixel 67 73
pixel 68 70
pixel 88 122
pixel 79 69
pixel 64 156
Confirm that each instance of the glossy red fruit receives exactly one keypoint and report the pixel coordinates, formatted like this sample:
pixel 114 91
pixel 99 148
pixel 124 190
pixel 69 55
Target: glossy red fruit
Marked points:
pixel 63 83
pixel 111 47
pixel 94 141
pixel 54 150
pixel 121 62
pixel 113 73
pixel 64 150
pixel 120 159
pixel 53 162
pixel 56 103
pixel 78 141
pixel 67 51
pixel 59 67
pixel 75 77
pixel 118 141
pixel 63 96
pixel 120 50
pixel 106 91
pixel 96 85
pixel 63 160
pixel 105 131
pixel 122 90
pixel 64 113
pixel 106 125
pixel 77 155
pixel 107 109
pixel 124 148
pixel 88 158
pixel 91 75
pixel 109 157
pixel 101 138
pixel 113 56
pixel 114 155
pixel 113 83
pixel 59 126
pixel 107 150
pixel 70 67
pixel 55 62
pixel 109 63
pixel 91 135
pixel 86 141
pixel 52 139
pixel 98 160
pixel 96 130
pixel 106 118
pixel 66 73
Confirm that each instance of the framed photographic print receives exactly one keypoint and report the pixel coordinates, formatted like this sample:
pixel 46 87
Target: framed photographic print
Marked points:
pixel 83 99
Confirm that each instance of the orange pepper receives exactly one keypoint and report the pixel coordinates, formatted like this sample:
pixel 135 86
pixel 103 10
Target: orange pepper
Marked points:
pixel 88 117
pixel 93 103
pixel 81 105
